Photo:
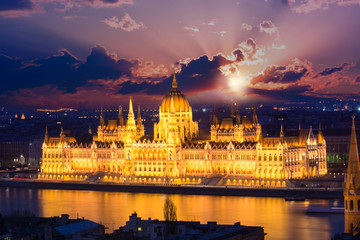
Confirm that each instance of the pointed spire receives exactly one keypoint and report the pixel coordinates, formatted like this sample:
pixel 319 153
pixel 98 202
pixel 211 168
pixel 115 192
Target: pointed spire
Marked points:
pixel 139 121
pixel 174 83
pixel 215 118
pixel 281 132
pixel 131 117
pixel 255 119
pixel 121 117
pixel 232 111
pixel 90 131
pixel 238 117
pixel 62 134
pixel 46 135
pixel 299 126
pixel 131 107
pixel 352 182
pixel 102 120
pixel 320 135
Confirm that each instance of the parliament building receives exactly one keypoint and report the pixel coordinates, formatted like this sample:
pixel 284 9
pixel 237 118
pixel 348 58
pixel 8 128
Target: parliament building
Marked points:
pixel 235 152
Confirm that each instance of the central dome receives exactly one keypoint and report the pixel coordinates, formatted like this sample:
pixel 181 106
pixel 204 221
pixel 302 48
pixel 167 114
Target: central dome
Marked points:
pixel 180 102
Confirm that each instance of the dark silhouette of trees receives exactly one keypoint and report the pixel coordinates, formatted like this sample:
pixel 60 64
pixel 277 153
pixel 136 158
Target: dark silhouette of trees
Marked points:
pixel 169 210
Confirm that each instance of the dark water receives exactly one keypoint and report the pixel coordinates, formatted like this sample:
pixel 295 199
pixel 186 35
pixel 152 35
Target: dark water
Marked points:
pixel 280 219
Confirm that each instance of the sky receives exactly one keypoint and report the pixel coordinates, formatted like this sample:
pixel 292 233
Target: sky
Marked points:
pixel 87 53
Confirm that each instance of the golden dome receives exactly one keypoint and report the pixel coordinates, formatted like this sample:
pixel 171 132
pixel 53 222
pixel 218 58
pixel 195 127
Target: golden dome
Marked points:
pixel 180 103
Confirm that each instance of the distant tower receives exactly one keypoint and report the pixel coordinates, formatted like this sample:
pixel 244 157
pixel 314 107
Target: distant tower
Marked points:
pixel 232 111
pixel 121 117
pixel 352 187
pixel 102 120
pixel 255 119
pixel 46 135
pixel 215 120
pixel 238 117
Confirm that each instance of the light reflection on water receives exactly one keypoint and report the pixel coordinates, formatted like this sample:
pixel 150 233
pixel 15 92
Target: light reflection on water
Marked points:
pixel 280 219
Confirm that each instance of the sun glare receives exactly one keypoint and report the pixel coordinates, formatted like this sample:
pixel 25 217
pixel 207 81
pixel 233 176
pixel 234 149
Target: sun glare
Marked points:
pixel 238 82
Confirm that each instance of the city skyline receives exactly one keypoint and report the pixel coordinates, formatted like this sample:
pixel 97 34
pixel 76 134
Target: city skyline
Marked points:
pixel 73 53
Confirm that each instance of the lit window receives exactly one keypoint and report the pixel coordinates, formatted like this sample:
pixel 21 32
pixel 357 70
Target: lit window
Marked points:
pixel 139 229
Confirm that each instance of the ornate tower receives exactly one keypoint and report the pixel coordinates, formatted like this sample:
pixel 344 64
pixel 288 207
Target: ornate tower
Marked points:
pixel 352 187
pixel 175 118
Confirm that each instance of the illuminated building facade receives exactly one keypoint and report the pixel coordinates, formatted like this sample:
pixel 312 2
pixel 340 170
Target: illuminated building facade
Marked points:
pixel 236 153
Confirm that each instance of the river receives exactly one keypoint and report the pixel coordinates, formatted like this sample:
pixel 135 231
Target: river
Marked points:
pixel 280 219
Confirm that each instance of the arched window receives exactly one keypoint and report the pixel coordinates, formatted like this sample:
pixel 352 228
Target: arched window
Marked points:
pixel 346 206
pixel 351 205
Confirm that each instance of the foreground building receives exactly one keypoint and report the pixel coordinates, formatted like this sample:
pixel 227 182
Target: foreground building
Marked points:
pixel 161 230
pixel 235 154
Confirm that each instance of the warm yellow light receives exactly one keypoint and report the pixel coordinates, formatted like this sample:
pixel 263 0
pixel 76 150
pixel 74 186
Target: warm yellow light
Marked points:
pixel 238 82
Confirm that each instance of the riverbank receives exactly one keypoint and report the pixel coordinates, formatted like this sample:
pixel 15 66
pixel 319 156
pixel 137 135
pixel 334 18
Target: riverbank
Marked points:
pixel 320 193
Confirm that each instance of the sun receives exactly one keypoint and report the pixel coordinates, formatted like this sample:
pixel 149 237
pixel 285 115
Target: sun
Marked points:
pixel 238 82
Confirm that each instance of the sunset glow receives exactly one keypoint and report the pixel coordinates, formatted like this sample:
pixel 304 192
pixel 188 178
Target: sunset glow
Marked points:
pixel 77 51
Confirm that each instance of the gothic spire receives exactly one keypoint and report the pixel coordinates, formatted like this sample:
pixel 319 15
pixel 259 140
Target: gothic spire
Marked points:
pixel 232 111
pixel 102 120
pixel 281 132
pixel 62 134
pixel 255 119
pixel 131 118
pixel 215 118
pixel 139 122
pixel 352 182
pixel 320 135
pixel 238 117
pixel 46 135
pixel 131 111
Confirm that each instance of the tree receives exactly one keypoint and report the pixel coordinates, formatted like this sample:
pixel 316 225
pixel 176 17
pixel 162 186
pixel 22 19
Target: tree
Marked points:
pixel 169 210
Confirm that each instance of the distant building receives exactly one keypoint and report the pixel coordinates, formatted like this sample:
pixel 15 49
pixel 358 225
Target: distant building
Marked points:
pixel 11 152
pixel 161 230
pixel 35 152
pixel 24 225
pixel 236 152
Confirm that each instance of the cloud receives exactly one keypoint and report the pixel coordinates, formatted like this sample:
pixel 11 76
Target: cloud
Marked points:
pixel 308 6
pixel 62 70
pixel 283 74
pixel 193 29
pixel 331 70
pixel 357 79
pixel 246 27
pixel 26 8
pixel 6 5
pixel 291 93
pixel 268 27
pixel 200 74
pixel 126 23
pixel 212 22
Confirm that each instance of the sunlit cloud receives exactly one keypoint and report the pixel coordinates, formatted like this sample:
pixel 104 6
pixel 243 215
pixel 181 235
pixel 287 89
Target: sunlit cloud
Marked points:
pixel 212 22
pixel 268 27
pixel 26 8
pixel 192 29
pixel 126 23
pixel 246 27
pixel 308 6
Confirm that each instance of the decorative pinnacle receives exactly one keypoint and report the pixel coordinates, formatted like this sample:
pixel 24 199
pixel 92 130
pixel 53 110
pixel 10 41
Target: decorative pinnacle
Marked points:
pixel 174 83
pixel 353 122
